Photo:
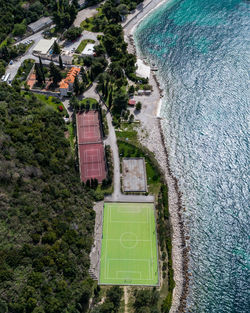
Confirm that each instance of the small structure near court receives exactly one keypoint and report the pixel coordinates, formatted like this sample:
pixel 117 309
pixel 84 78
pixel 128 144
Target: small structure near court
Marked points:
pixel 90 147
pixel 134 175
pixel 129 245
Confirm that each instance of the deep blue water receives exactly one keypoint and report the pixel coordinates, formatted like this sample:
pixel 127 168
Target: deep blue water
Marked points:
pixel 202 51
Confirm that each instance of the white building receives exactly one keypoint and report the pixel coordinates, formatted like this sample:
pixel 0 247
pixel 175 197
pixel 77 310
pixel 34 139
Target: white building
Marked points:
pixel 40 24
pixel 44 46
pixel 89 51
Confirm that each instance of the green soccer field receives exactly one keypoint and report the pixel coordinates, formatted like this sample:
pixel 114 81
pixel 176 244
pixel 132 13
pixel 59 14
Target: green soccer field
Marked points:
pixel 129 249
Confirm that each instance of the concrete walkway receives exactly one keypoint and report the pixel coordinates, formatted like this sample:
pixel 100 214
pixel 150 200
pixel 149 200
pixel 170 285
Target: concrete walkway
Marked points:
pixel 111 140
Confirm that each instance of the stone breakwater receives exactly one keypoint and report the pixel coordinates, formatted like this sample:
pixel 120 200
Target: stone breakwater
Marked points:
pixel 155 142
pixel 183 231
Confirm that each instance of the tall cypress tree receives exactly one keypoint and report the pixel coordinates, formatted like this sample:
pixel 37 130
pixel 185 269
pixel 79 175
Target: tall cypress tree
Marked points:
pixel 56 48
pixel 76 86
pixel 110 96
pixel 60 62
pixel 39 76
pixel 41 68
pixel 55 73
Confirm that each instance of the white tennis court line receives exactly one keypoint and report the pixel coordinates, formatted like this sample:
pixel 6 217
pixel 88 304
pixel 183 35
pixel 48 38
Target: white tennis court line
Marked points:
pixel 91 130
pixel 93 160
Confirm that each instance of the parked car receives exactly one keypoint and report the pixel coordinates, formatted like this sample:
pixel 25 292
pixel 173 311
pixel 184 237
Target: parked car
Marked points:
pixel 11 62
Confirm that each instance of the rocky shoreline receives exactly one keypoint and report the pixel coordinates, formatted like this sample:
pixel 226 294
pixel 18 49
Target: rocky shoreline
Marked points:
pixel 155 142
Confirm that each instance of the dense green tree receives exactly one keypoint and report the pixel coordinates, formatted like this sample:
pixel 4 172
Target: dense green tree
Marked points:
pixel 76 86
pixel 114 295
pixel 138 106
pixel 41 68
pixel 56 48
pixel 19 29
pixel 120 102
pixel 39 75
pixel 52 243
pixel 72 33
pixel 55 73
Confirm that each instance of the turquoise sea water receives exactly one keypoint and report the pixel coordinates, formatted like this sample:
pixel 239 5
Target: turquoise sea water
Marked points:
pixel 202 51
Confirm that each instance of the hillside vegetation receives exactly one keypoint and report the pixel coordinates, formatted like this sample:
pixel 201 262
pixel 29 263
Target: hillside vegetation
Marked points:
pixel 46 216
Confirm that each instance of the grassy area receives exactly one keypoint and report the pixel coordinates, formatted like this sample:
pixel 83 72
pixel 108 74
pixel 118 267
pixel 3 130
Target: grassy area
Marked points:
pixel 71 136
pixel 48 100
pixel 128 132
pixel 91 102
pixel 136 243
pixel 83 44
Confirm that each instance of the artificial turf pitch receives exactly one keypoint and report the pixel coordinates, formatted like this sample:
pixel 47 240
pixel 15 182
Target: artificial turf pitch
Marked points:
pixel 129 248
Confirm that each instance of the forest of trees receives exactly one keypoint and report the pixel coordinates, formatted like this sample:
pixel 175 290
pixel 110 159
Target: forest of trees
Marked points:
pixel 46 214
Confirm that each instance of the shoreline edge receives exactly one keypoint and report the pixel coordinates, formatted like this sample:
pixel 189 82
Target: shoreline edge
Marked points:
pixel 156 143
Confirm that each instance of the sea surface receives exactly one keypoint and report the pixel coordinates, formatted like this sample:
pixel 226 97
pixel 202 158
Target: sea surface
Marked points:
pixel 202 51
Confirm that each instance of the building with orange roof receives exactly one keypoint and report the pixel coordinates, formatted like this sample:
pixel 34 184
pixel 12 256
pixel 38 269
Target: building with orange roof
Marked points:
pixel 66 84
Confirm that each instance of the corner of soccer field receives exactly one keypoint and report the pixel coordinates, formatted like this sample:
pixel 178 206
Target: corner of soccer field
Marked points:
pixel 129 254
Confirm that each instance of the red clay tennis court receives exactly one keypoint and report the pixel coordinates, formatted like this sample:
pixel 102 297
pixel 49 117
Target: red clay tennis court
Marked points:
pixel 88 127
pixel 92 163
pixel 91 151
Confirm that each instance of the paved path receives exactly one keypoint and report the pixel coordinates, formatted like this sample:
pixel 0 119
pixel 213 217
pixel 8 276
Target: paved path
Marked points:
pixel 85 13
pixel 12 69
pixel 111 140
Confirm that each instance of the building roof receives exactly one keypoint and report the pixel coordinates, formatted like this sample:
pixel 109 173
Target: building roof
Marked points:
pixel 71 75
pixel 89 49
pixel 63 84
pixel 131 102
pixel 70 78
pixel 41 23
pixel 44 45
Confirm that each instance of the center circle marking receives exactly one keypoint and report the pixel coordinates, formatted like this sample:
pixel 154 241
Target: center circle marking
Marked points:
pixel 128 240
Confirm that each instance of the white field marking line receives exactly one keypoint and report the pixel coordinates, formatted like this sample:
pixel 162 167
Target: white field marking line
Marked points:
pixel 129 211
pixel 124 221
pixel 127 240
pixel 106 257
pixel 141 260
pixel 149 270
pixel 133 222
pixel 150 243
pixel 128 272
pixel 135 279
